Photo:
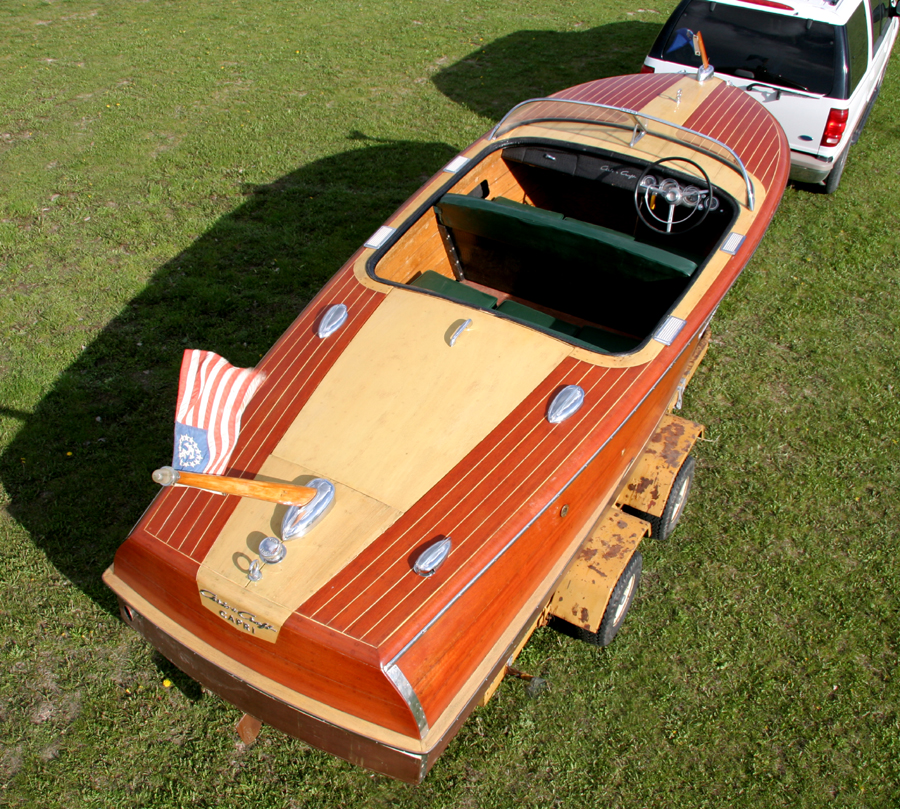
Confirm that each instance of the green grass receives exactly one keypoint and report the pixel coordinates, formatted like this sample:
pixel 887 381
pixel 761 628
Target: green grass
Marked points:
pixel 189 174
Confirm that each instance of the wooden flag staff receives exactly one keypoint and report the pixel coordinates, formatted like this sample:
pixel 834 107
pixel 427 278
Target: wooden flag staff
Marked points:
pixel 271 491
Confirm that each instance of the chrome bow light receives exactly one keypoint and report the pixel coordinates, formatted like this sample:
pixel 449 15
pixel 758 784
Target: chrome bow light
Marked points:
pixel 432 558
pixel 566 403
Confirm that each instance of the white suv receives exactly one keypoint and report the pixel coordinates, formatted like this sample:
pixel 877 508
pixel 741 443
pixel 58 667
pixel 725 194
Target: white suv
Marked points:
pixel 816 66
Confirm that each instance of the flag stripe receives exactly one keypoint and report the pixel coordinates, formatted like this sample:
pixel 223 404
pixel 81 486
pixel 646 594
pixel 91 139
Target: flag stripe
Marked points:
pixel 212 394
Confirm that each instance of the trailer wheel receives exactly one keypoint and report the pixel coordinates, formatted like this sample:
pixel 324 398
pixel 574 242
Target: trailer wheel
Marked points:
pixel 619 604
pixel 664 525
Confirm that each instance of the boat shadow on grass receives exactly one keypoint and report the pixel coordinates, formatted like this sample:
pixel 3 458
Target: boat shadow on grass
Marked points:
pixel 531 64
pixel 78 471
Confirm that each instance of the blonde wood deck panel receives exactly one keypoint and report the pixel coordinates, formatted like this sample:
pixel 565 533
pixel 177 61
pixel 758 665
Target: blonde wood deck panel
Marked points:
pixel 311 561
pixel 447 408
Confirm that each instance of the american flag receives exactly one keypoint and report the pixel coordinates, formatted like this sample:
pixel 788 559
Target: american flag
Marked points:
pixel 212 394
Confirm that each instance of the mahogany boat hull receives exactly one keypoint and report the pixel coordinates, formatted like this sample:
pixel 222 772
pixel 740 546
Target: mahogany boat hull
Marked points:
pixel 430 409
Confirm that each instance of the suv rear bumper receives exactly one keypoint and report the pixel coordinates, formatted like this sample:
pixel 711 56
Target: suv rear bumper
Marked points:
pixel 807 168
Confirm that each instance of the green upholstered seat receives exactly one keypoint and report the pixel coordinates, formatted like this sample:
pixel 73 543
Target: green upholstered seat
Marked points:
pixel 565 240
pixel 435 282
pixel 511 203
pixel 538 318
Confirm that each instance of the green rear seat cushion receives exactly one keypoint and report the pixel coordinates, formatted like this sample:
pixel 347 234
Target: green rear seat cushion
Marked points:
pixel 538 318
pixel 435 282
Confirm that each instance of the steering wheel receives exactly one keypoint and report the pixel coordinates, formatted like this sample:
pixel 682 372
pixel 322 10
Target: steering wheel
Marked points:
pixel 697 201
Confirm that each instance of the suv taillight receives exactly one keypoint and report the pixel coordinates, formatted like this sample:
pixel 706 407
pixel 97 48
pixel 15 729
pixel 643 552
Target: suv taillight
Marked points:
pixel 647 69
pixel 834 129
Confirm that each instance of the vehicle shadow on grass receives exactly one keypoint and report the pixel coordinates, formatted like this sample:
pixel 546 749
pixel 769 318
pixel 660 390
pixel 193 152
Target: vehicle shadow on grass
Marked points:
pixel 531 64
pixel 78 472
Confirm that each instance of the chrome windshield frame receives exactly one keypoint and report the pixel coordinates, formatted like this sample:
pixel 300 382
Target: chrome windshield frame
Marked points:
pixel 641 124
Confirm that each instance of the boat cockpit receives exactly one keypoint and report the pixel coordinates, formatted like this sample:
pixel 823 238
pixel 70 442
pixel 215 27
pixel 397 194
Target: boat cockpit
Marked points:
pixel 582 242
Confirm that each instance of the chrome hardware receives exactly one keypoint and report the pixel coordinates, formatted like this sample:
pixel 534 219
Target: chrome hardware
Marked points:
pixel 639 131
pixel 538 109
pixel 300 520
pixel 669 329
pixel 334 317
pixel 398 678
pixel 679 401
pixel 272 550
pixel 459 330
pixel 566 403
pixel 432 558
pixel 704 73
pixel 732 244
pixel 380 236
pixel 456 164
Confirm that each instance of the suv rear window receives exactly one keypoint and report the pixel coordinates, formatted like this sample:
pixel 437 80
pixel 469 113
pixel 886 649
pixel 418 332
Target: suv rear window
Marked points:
pixel 772 48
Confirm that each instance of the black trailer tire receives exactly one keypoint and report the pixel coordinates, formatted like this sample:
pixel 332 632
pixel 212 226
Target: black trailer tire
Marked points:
pixel 619 604
pixel 663 526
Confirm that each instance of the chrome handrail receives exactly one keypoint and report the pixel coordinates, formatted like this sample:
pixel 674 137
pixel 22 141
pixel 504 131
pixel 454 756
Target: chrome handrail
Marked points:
pixel 638 125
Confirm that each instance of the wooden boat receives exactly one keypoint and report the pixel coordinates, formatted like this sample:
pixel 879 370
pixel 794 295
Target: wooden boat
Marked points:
pixel 485 385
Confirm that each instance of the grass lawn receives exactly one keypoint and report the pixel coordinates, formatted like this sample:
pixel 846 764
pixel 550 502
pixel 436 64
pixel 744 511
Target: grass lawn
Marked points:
pixel 188 175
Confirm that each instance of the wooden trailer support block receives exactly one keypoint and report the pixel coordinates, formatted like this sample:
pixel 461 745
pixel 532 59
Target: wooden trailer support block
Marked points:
pixel 654 473
pixel 248 728
pixel 584 591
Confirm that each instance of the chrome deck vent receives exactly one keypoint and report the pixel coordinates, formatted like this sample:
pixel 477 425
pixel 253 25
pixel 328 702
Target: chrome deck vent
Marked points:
pixel 334 317
pixel 565 403
pixel 732 244
pixel 432 558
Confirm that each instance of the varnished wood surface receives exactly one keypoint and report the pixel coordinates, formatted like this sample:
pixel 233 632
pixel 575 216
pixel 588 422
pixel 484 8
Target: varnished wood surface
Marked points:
pixel 504 586
pixel 191 520
pixel 271 491
pixel 422 247
pixel 341 736
pixel 497 501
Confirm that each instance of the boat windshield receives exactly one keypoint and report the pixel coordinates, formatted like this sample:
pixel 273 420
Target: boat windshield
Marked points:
pixel 583 116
